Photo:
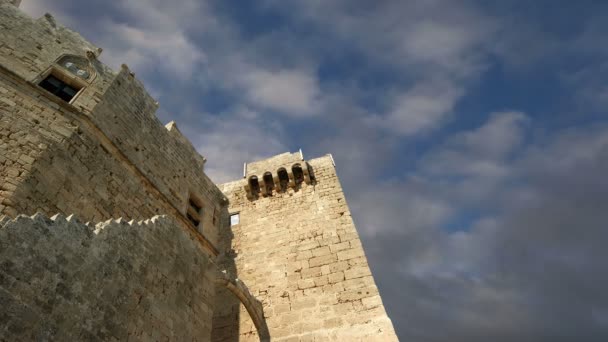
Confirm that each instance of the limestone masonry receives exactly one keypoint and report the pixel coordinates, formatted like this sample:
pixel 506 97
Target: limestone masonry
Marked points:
pixel 110 229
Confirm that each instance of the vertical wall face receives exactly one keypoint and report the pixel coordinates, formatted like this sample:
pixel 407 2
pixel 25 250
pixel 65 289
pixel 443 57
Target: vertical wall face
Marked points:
pixel 300 254
pixel 161 154
pixel 63 281
pixel 50 162
pixel 103 155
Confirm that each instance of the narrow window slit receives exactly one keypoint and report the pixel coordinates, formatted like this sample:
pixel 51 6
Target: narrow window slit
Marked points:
pixel 298 174
pixel 283 178
pixel 254 185
pixel 268 183
pixel 194 212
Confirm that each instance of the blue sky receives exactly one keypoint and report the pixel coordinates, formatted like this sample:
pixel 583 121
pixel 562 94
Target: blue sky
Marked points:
pixel 470 136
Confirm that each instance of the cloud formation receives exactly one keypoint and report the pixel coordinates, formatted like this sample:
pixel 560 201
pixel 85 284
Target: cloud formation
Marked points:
pixel 291 92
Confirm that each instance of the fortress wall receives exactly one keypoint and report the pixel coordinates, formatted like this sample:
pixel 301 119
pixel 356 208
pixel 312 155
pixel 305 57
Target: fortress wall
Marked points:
pixel 30 46
pixel 50 161
pixel 61 280
pixel 162 154
pixel 18 149
pixel 225 327
pixel 300 254
pixel 164 169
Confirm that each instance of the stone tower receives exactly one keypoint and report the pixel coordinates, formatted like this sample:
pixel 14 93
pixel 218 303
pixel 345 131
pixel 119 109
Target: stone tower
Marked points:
pixel 295 245
pixel 168 254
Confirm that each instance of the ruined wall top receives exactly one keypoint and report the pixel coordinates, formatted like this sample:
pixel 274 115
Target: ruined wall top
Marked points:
pixel 115 280
pixel 286 160
pixel 273 175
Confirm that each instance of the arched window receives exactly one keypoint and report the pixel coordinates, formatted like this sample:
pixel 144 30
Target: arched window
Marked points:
pixel 268 183
pixel 298 174
pixel 283 178
pixel 254 185
pixel 77 66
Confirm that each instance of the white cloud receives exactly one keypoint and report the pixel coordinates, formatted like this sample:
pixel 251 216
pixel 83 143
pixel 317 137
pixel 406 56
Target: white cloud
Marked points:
pixel 290 92
pixel 399 207
pixel 439 48
pixel 481 152
pixel 449 45
pixel 500 135
pixel 148 50
pixel 421 108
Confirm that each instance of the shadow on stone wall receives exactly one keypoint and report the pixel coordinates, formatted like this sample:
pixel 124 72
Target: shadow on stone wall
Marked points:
pixel 231 293
pixel 66 281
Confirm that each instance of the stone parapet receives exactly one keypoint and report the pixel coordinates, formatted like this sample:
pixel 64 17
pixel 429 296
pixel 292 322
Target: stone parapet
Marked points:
pixel 68 281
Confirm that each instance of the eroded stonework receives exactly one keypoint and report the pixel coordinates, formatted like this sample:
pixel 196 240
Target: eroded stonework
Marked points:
pixel 78 138
pixel 299 249
pixel 62 280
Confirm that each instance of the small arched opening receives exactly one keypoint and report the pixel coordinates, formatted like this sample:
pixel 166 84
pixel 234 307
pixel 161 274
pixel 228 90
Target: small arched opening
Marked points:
pixel 298 174
pixel 254 185
pixel 227 324
pixel 268 183
pixel 283 178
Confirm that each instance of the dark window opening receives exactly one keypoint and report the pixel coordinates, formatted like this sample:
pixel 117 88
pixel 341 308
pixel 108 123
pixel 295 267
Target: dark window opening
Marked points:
pixel 298 174
pixel 283 179
pixel 254 185
pixel 197 208
pixel 193 220
pixel 59 88
pixel 194 213
pixel 268 183
pixel 311 173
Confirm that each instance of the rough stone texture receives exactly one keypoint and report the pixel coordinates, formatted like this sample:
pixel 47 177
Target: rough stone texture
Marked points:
pixel 300 254
pixel 104 154
pixel 62 280
pixel 285 160
pixel 252 305
pixel 29 47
